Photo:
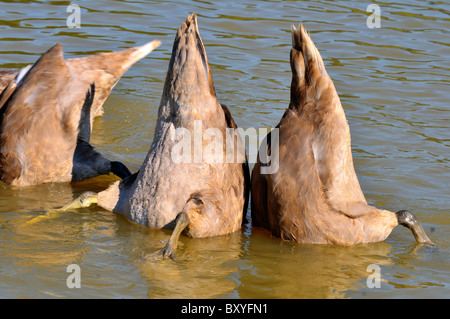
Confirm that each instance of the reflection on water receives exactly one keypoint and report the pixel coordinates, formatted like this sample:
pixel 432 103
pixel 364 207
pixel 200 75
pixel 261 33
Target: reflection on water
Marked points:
pixel 202 269
pixel 308 271
pixel 393 83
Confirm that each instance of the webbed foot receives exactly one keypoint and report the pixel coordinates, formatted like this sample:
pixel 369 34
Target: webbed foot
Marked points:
pixel 84 200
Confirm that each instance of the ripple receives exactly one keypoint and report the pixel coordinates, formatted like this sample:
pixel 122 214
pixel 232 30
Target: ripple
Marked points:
pixel 393 83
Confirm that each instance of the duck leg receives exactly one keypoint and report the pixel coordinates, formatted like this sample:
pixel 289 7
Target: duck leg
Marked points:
pixel 84 200
pixel 87 162
pixel 119 169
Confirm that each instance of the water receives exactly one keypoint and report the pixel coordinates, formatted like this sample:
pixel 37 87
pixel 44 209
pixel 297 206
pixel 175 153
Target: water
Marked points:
pixel 393 82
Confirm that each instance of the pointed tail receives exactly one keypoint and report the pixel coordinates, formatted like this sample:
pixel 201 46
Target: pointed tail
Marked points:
pixel 106 69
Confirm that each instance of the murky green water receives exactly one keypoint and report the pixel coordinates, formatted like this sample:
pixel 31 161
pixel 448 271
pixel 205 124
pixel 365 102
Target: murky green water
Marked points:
pixel 393 82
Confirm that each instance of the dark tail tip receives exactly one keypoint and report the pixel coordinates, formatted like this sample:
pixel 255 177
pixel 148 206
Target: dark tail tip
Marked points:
pixel 119 169
pixel 84 125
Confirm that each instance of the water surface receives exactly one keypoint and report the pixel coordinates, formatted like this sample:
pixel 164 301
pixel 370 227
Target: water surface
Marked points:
pixel 393 82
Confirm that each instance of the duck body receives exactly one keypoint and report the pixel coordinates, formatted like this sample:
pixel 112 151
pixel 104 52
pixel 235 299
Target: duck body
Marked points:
pixel 315 196
pixel 46 117
pixel 6 76
pixel 213 193
pixel 293 205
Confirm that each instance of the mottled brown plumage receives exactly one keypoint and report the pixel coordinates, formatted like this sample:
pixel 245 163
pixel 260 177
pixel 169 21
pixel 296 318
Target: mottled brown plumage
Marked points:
pixel 315 196
pixel 46 115
pixel 198 197
pixel 6 76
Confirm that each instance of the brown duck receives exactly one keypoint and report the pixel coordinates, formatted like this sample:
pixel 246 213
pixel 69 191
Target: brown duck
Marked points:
pixel 201 197
pixel 315 196
pixel 46 116
pixel 6 76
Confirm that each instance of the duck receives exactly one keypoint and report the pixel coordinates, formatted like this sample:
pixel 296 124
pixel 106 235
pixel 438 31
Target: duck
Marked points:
pixel 46 116
pixel 314 196
pixel 198 197
pixel 6 76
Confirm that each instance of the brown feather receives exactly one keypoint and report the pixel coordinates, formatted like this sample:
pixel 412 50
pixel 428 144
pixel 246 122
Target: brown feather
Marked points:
pixel 40 115
pixel 315 196
pixel 6 76
pixel 214 195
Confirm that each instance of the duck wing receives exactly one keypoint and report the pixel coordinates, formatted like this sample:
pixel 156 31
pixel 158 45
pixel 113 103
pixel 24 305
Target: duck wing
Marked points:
pixel 314 98
pixel 6 76
pixel 287 199
pixel 247 182
pixel 38 124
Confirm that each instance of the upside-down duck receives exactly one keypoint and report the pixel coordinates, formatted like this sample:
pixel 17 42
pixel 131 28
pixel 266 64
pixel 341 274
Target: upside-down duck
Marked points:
pixel 46 116
pixel 315 196
pixel 200 196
